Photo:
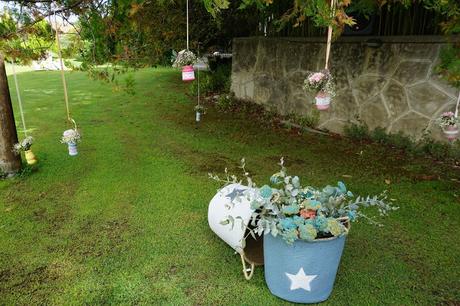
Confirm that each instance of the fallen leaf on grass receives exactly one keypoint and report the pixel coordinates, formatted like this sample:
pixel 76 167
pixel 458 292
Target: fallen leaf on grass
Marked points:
pixel 387 181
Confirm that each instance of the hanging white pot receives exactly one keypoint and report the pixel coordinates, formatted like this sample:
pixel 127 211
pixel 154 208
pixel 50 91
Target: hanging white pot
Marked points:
pixel 188 74
pixel 73 151
pixel 197 116
pixel 451 132
pixel 323 100
pixel 220 208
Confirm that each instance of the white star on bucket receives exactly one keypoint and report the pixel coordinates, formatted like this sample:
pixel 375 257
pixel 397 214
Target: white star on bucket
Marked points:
pixel 300 280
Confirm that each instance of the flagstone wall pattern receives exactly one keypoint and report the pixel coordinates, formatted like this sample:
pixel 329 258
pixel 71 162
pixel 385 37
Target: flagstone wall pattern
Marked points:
pixel 393 86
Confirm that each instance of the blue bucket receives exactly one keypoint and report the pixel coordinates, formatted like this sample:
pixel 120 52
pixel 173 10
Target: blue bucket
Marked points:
pixel 302 272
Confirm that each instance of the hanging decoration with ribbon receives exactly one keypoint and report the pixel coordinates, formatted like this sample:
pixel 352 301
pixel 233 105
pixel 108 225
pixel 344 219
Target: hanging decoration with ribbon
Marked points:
pixel 449 122
pixel 199 109
pixel 322 81
pixel 70 136
pixel 185 58
pixel 26 143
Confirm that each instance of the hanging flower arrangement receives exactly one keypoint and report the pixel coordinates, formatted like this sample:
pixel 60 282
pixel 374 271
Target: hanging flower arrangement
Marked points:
pixel 24 146
pixel 448 122
pixel 322 83
pixel 185 59
pixel 199 110
pixel 71 137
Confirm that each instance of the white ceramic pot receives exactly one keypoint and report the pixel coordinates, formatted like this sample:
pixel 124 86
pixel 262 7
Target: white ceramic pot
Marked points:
pixel 323 100
pixel 451 132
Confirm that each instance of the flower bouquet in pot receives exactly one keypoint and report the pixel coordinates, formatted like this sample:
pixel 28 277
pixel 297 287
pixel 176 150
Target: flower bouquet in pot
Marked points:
pixel 71 137
pixel 322 83
pixel 448 122
pixel 185 59
pixel 199 111
pixel 304 230
pixel 24 146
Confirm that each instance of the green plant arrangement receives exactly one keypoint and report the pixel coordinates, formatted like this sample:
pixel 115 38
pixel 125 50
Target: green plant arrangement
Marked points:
pixel 447 119
pixel 200 108
pixel 322 83
pixel 183 58
pixel 448 122
pixel 301 212
pixel 304 230
pixel 24 145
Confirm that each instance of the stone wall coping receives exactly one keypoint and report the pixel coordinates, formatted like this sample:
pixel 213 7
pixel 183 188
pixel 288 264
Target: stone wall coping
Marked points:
pixel 425 39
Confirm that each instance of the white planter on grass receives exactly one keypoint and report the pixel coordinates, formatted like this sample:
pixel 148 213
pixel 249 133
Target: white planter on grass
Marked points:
pixel 220 208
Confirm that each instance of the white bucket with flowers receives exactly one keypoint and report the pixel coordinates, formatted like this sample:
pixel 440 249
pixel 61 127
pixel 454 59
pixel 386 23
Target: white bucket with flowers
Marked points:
pixel 304 231
pixel 185 59
pixel 448 122
pixel 71 137
pixel 322 83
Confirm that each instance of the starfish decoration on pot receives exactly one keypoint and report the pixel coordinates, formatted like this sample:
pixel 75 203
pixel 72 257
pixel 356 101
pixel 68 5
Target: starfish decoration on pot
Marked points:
pixel 235 192
pixel 301 280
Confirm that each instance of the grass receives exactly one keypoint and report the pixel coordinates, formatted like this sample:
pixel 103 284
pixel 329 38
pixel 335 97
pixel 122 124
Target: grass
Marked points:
pixel 125 222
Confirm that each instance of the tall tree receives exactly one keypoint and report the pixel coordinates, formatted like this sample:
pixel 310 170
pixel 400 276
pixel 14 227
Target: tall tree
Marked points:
pixel 9 162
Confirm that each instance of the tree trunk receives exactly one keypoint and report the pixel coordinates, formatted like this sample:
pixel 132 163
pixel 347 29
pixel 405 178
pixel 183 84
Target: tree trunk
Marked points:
pixel 9 162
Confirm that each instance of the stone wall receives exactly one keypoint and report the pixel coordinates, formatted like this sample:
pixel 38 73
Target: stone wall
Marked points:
pixel 393 86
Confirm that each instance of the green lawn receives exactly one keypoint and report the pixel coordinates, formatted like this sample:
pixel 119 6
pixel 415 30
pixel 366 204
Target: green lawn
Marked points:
pixel 125 222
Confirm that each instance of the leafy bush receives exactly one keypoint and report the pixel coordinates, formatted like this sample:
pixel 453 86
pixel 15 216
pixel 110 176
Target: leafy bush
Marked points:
pixel 449 66
pixel 357 132
pixel 205 83
pixel 425 146
pixel 309 120
pixel 226 102
pixel 216 81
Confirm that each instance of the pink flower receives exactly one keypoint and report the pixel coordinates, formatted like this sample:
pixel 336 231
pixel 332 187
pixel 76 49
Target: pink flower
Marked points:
pixel 308 213
pixel 316 77
pixel 448 114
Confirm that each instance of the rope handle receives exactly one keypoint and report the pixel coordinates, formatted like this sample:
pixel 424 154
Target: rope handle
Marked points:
pixel 247 275
pixel 74 123
pixel 329 37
